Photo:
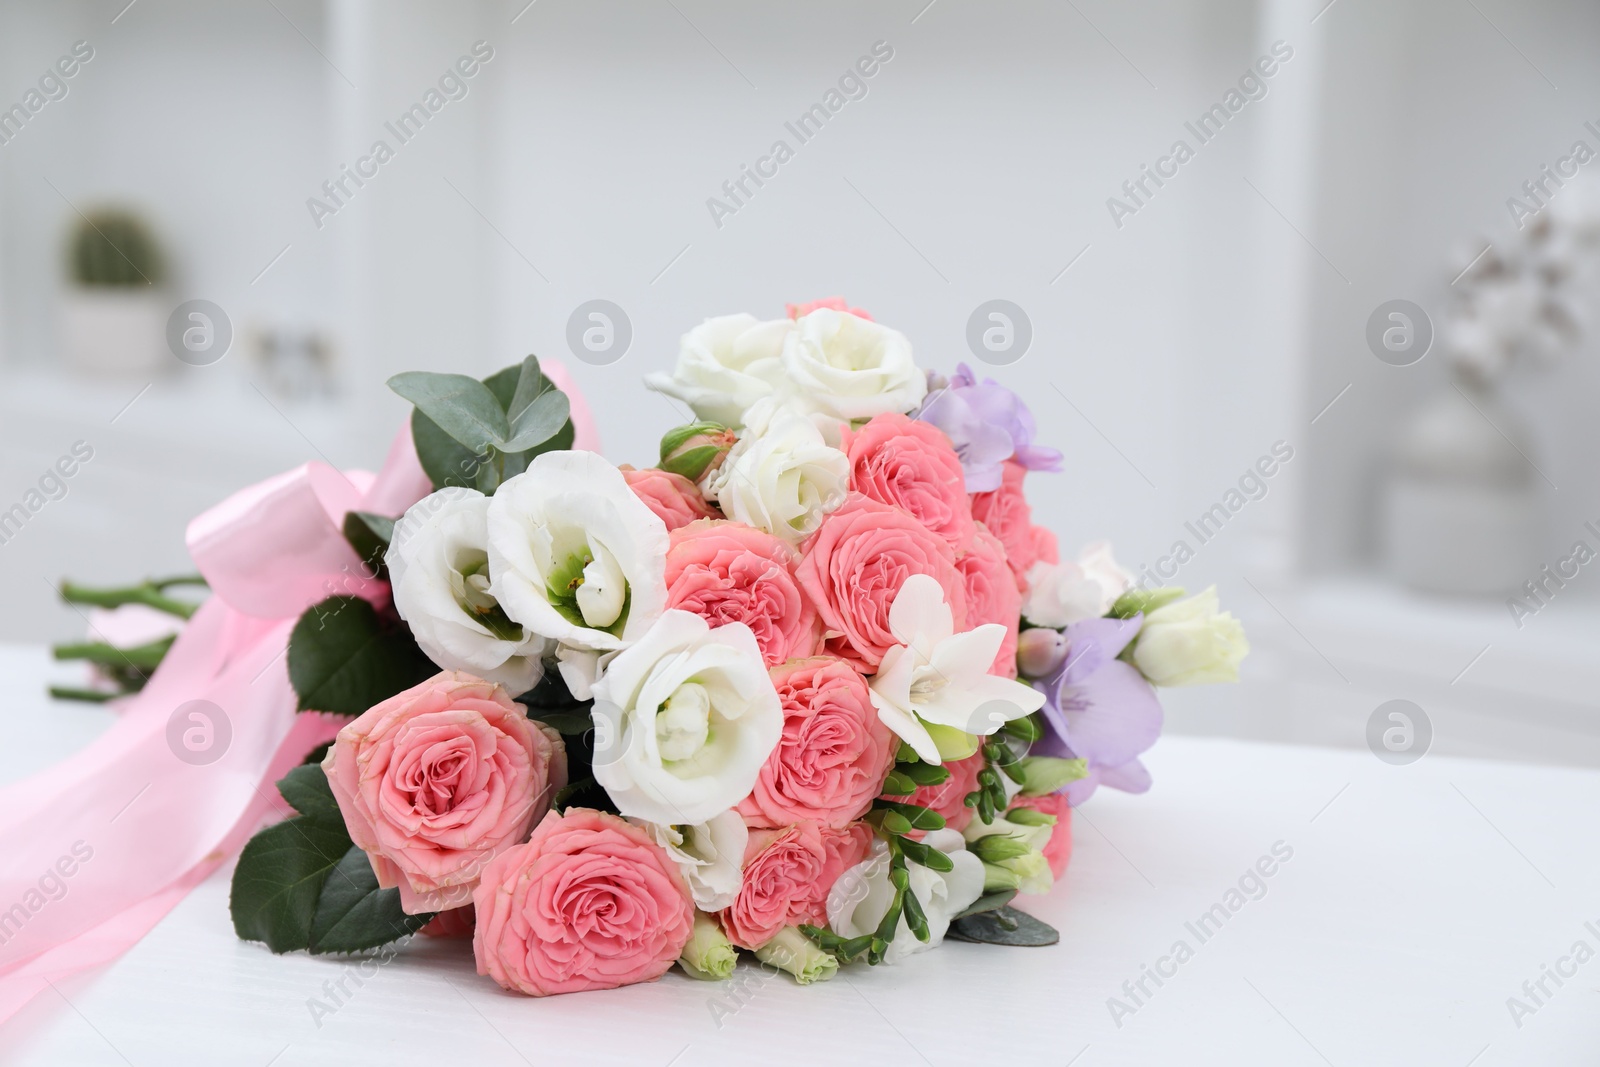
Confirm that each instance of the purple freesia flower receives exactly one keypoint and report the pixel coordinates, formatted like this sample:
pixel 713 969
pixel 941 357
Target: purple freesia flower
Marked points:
pixel 988 424
pixel 1099 709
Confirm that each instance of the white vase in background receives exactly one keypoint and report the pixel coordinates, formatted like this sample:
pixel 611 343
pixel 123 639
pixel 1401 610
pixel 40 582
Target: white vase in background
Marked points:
pixel 1463 507
pixel 113 329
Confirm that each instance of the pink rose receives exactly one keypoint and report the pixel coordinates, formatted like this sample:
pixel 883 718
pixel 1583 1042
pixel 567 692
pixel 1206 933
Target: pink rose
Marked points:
pixel 590 902
pixel 728 572
pixel 992 595
pixel 1006 513
pixel 852 569
pixel 436 781
pixel 911 464
pixel 787 876
pixel 673 498
pixel 835 303
pixel 834 753
pixel 949 797
pixel 1059 848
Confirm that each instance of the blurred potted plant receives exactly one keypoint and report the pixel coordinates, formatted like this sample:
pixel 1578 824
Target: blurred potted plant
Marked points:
pixel 113 314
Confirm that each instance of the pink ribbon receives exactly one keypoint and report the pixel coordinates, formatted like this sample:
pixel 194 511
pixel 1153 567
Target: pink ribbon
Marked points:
pixel 98 848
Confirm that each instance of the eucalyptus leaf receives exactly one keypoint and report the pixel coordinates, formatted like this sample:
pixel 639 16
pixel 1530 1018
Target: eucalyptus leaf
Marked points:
pixel 463 407
pixel 530 384
pixel 541 420
pixel 1004 926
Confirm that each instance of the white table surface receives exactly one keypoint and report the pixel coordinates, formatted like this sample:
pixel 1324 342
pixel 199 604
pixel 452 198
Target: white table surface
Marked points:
pixel 1418 900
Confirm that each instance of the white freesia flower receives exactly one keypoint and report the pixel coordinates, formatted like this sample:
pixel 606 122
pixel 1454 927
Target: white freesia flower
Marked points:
pixel 849 367
pixel 1063 593
pixel 781 476
pixel 934 689
pixel 575 557
pixel 684 720
pixel 724 365
pixel 439 567
pixel 1190 643
pixel 710 855
pixel 861 897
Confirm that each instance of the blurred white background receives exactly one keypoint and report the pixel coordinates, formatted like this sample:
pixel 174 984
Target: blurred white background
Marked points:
pixel 1169 353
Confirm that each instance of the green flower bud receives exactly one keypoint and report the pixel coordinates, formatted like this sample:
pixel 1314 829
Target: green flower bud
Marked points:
pixel 1028 873
pixel 695 450
pixel 1030 817
pixel 1043 775
pixel 1135 601
pixel 794 952
pixel 709 955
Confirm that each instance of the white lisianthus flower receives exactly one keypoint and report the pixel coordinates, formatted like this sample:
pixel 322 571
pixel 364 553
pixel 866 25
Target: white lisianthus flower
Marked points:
pixel 1190 643
pixel 934 689
pixel 576 557
pixel 861 897
pixel 849 368
pixel 1063 593
pixel 684 719
pixel 710 856
pixel 438 563
pixel 781 476
pixel 724 365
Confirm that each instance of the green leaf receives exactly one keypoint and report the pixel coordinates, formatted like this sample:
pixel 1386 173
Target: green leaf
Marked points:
pixel 344 659
pixel 530 384
pixel 369 535
pixel 444 459
pixel 1004 926
pixel 1135 601
pixel 306 789
pixel 989 902
pixel 279 878
pixel 353 914
pixel 539 421
pixel 316 755
pixel 448 462
pixel 462 407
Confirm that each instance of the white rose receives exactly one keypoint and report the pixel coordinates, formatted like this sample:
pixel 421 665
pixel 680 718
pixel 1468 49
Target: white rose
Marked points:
pixel 781 476
pixel 724 365
pixel 849 367
pixel 1190 643
pixel 861 897
pixel 684 720
pixel 439 567
pixel 1063 593
pixel 710 855
pixel 574 556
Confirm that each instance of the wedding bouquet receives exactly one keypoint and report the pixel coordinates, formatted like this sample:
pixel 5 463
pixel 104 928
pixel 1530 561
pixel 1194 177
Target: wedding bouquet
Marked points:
pixel 813 687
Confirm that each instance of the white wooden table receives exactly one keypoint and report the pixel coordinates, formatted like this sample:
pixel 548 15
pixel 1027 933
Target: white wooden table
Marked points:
pixel 1417 900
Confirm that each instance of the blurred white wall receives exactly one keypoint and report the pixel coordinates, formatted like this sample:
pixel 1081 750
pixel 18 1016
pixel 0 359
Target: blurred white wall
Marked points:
pixel 1172 355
